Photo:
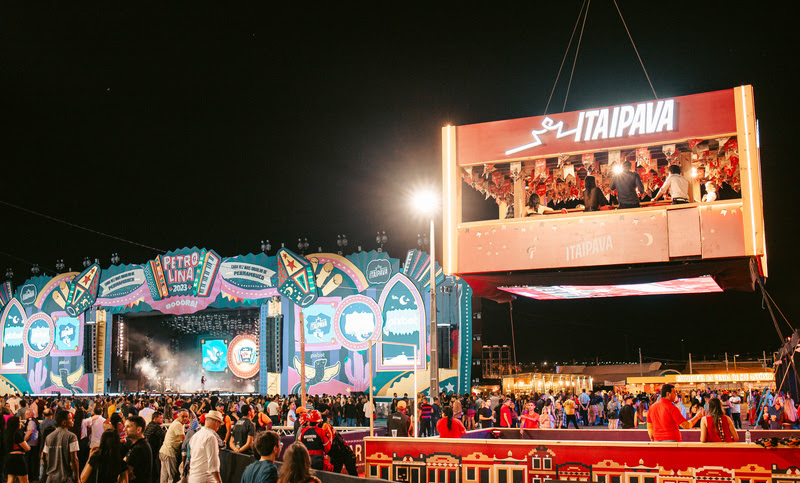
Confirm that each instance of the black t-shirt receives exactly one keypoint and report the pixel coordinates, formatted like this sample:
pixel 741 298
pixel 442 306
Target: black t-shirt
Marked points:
pixel 102 471
pixel 241 430
pixel 139 457
pixel 322 407
pixel 400 422
pixel 626 416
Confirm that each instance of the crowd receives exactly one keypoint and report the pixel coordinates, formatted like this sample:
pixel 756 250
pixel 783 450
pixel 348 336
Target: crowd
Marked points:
pixel 171 438
pixel 560 410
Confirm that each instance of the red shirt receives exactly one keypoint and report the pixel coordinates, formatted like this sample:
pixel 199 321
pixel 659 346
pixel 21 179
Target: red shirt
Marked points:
pixel 457 428
pixel 666 420
pixel 505 416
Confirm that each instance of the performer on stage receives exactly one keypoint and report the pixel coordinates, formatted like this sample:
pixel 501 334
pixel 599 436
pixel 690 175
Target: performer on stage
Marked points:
pixel 203 384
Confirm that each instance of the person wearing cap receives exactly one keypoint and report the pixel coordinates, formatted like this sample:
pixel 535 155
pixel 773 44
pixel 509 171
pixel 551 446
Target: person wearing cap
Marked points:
pixel 399 421
pixel 204 460
pixel 301 412
pixel 316 439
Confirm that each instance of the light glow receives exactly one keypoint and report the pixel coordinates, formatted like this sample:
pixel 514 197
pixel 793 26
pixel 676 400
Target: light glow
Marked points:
pixel 704 284
pixel 617 169
pixel 425 202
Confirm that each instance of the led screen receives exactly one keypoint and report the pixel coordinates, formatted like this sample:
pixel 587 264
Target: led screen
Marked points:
pixel 704 284
pixel 215 355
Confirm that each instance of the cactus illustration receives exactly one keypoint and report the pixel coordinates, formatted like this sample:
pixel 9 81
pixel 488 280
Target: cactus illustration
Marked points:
pixel 37 377
pixel 357 372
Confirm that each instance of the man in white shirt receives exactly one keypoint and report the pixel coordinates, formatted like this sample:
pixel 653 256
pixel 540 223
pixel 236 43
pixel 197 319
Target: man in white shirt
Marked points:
pixel 204 451
pixel 94 427
pixel 171 449
pixel 676 185
pixel 273 411
pixel 147 413
pixel 736 410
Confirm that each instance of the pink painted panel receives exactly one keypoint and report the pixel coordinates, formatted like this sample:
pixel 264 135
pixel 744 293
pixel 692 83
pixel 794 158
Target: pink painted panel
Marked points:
pixel 553 241
pixel 684 232
pixel 722 230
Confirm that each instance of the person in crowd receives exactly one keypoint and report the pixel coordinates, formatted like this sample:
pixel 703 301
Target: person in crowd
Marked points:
pixel 138 454
pixel 535 206
pixel 448 426
pixel 341 455
pixel 569 411
pixel 204 462
pixel 105 463
pixel 583 406
pixel 224 430
pixel 32 437
pixel 717 427
pixel 268 445
pixel 485 415
pixel 664 420
pixel 316 439
pixel 711 192
pixel 593 197
pixel 505 414
pixel 425 414
pixel 291 415
pixel 612 409
pixel 627 414
pixel 16 447
pixel 154 433
pixel 399 421
pixel 625 183
pixel 243 432
pixel 676 185
pixel 547 417
pixel 273 411
pixel 529 418
pixel 60 451
pixel 777 416
pixel 791 411
pixel 736 410
pixel 94 426
pixel 169 454
pixel 694 410
pixel 296 466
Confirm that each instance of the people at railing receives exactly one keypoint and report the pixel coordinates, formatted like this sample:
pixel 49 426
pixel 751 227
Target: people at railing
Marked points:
pixel 717 427
pixel 593 197
pixel 626 183
pixel 676 185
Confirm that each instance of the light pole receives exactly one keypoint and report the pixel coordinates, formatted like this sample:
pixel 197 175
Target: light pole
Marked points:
pixel 425 203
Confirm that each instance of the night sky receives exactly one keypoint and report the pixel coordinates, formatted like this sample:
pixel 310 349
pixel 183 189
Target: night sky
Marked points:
pixel 219 127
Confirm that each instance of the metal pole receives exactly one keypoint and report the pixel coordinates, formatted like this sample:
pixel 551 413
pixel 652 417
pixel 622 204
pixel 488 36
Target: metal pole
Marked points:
pixel 726 363
pixel 513 341
pixel 434 366
pixel 302 360
pixel 374 408
pixel 416 401
pixel 690 363
pixel 641 371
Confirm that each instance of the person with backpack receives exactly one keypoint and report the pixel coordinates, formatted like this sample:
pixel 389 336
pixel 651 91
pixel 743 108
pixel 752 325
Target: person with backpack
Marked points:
pixel 342 455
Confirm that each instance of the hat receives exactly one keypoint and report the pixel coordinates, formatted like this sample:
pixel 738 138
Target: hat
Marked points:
pixel 401 405
pixel 214 415
pixel 301 410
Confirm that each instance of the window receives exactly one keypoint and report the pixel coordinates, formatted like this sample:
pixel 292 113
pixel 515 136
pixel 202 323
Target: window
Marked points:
pixel 633 479
pixel 485 475
pixel 601 479
pixel 431 476
pixel 502 476
pixel 548 463
pixel 385 472
pixel 452 476
pixel 649 479
pixel 373 471
pixel 518 476
pixel 536 463
pixel 536 480
pixel 471 474
pixel 616 479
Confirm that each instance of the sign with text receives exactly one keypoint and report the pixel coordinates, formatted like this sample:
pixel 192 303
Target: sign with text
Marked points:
pixel 653 122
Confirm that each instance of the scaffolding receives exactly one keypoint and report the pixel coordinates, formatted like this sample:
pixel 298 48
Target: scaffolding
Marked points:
pixel 496 361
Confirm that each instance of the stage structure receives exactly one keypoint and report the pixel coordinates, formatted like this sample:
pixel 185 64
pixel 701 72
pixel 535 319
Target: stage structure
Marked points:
pixel 235 320
pixel 704 245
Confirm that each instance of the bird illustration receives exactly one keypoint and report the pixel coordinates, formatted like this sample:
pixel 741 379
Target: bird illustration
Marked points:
pixel 213 355
pixel 66 380
pixel 316 374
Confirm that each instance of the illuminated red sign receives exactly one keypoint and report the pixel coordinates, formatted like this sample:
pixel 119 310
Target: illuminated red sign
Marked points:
pixel 695 116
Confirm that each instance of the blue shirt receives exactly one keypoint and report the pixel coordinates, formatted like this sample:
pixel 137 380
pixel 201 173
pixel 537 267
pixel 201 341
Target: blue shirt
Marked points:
pixel 260 472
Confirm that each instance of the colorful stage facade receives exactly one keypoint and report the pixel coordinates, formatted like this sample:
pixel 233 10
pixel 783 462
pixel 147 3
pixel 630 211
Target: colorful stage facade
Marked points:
pixel 60 334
